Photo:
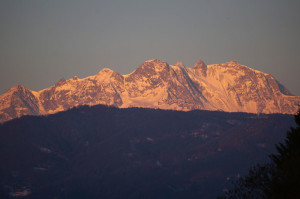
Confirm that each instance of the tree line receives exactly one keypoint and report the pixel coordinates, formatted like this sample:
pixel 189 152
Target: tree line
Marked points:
pixel 279 178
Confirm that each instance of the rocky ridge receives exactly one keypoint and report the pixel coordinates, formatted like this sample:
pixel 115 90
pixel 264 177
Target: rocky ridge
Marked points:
pixel 229 87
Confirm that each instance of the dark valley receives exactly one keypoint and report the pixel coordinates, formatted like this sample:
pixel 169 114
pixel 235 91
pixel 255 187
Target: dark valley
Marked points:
pixel 107 152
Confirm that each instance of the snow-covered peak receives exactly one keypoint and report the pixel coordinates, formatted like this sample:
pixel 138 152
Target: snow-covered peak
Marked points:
pixel 75 78
pixel 14 89
pixel 233 62
pixel 151 67
pixel 235 66
pixel 105 71
pixel 18 87
pixel 60 82
pixel 153 60
pixel 180 64
pixel 107 75
pixel 228 86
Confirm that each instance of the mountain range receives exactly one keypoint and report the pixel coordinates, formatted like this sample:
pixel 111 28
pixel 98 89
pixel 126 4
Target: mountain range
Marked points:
pixel 229 87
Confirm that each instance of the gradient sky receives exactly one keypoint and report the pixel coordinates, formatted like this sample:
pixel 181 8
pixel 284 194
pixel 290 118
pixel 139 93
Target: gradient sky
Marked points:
pixel 42 41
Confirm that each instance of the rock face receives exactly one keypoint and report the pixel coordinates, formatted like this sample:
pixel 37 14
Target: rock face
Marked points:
pixel 229 87
pixel 18 101
pixel 200 68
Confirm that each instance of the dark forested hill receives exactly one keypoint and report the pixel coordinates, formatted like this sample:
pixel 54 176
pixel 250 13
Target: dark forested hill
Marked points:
pixel 105 152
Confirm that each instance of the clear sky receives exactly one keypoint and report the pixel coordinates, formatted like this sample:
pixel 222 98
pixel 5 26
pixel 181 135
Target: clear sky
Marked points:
pixel 42 41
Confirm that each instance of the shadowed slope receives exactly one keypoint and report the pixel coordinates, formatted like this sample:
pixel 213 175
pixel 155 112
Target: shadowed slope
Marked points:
pixel 101 152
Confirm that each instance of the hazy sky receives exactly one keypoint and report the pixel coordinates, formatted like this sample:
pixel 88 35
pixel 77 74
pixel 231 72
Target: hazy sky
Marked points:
pixel 42 41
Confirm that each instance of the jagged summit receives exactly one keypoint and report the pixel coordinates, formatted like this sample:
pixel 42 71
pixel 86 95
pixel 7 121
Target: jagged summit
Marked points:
pixel 105 70
pixel 200 68
pixel 16 102
pixel 149 70
pixel 60 82
pixel 153 60
pixel 155 64
pixel 180 64
pixel 199 64
pixel 229 86
pixel 233 62
pixel 16 87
